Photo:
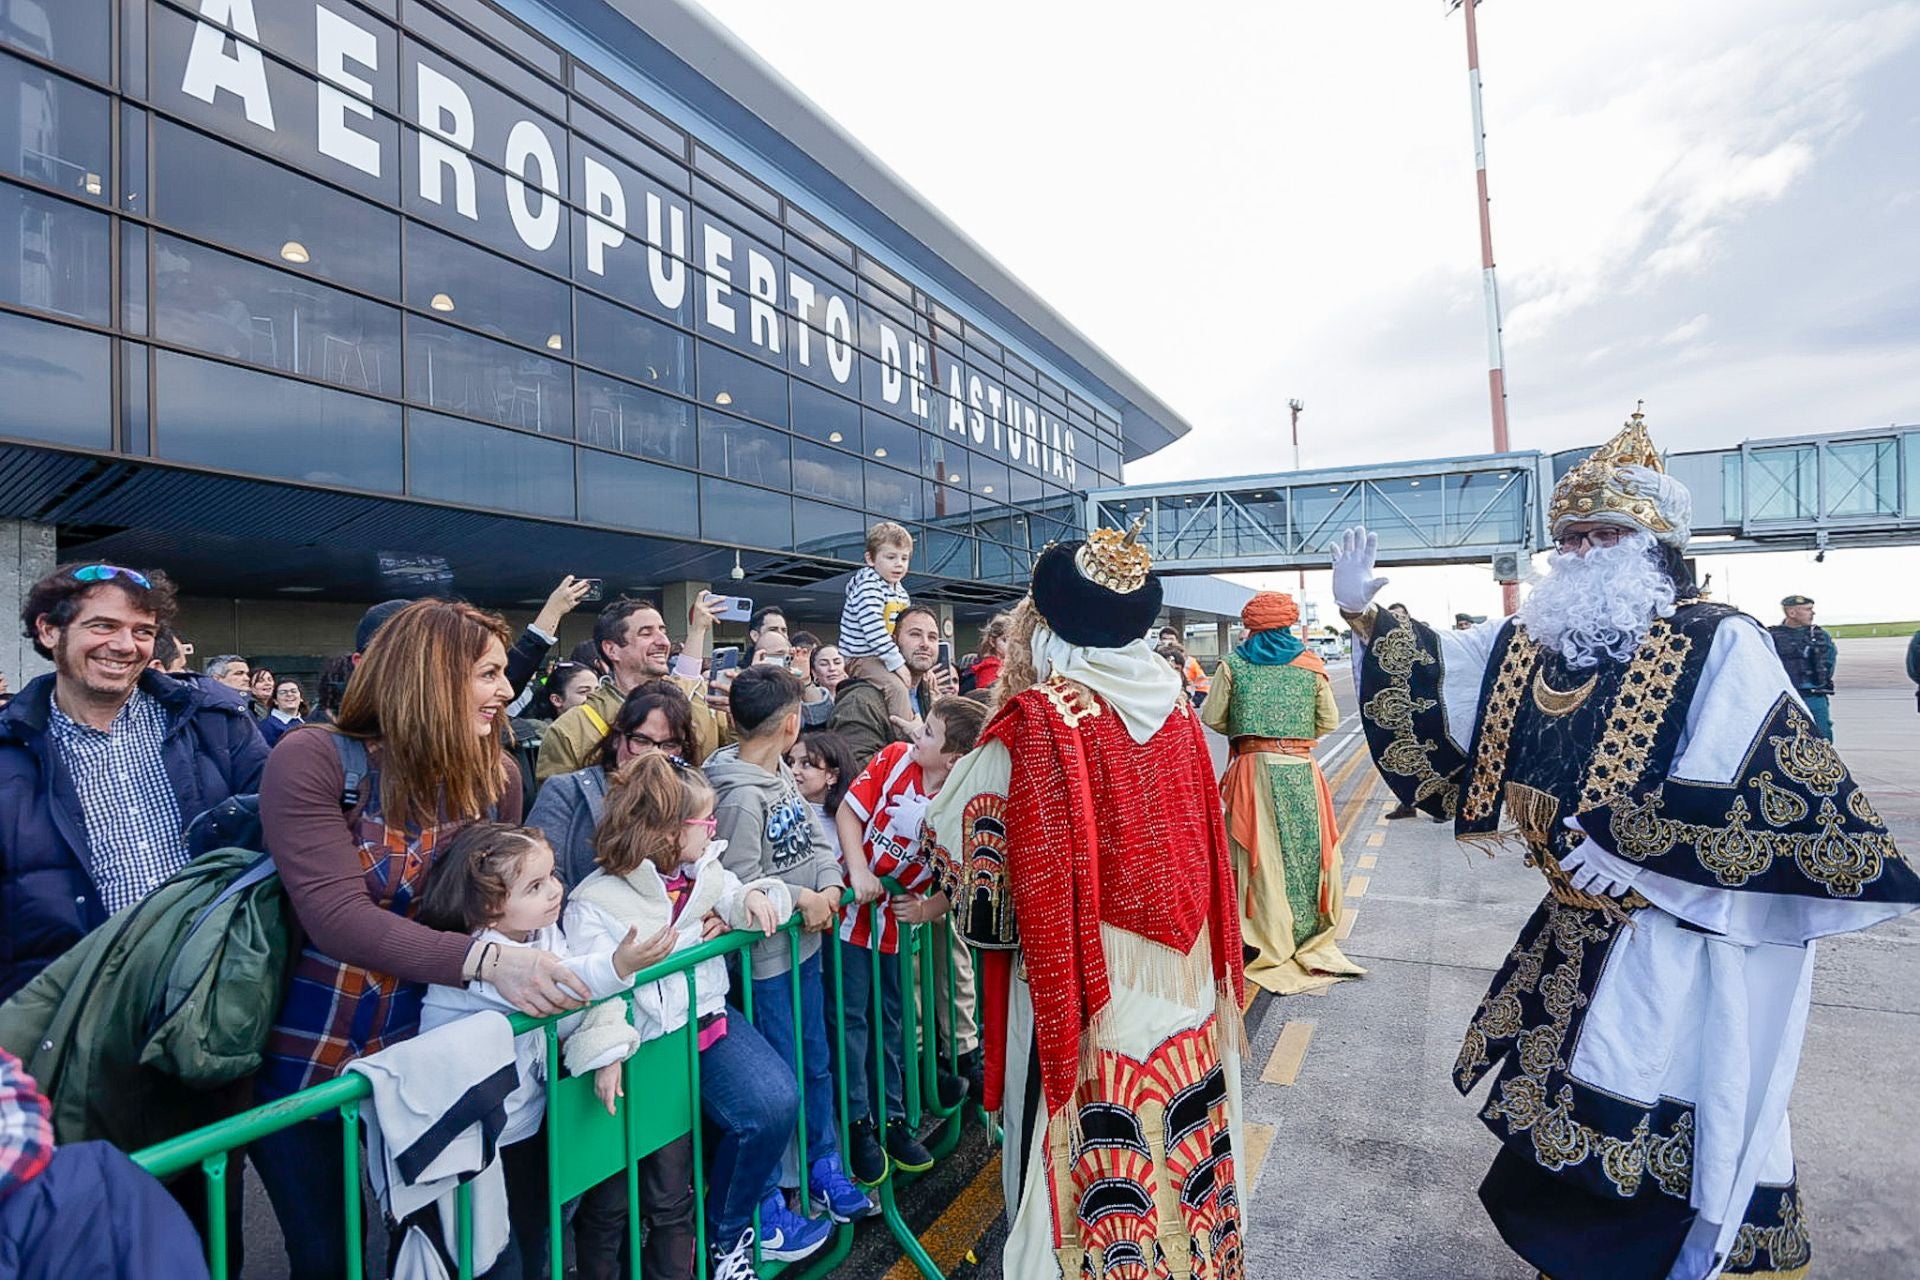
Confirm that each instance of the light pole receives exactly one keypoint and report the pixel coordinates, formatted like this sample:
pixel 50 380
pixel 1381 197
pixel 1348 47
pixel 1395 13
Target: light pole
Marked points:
pixel 1496 355
pixel 1295 407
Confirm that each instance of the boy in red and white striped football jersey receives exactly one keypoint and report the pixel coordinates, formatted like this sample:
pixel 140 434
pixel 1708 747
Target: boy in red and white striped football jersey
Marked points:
pixel 879 829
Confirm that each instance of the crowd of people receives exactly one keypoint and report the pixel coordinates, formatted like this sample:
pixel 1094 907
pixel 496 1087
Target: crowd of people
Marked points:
pixel 460 825
pixel 464 828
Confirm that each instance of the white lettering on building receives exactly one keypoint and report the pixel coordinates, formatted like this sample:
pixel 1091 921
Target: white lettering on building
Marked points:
pixel 666 263
pixel 446 140
pixel 337 41
pixel 224 65
pixel 606 200
pixel 210 69
pixel 536 228
pixel 718 256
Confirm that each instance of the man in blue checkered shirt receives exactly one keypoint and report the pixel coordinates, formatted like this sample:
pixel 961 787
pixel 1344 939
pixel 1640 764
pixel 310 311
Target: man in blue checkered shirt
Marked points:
pixel 104 762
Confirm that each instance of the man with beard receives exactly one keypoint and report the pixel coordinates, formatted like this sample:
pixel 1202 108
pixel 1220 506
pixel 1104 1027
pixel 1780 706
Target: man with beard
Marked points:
pixel 632 640
pixel 1085 834
pixel 103 762
pixel 1644 750
pixel 861 713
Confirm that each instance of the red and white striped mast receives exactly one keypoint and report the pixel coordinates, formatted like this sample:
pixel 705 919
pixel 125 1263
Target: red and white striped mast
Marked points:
pixel 1496 357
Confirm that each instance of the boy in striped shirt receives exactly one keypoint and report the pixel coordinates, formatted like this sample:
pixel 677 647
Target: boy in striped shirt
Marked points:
pixel 875 599
pixel 879 829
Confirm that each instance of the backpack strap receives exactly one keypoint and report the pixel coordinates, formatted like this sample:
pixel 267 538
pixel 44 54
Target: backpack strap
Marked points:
pixel 261 868
pixel 353 767
pixel 258 871
pixel 599 721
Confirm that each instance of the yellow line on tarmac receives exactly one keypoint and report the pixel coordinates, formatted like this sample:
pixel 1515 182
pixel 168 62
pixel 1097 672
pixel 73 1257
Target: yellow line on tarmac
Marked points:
pixel 1346 923
pixel 1357 885
pixel 1367 862
pixel 1347 770
pixel 1259 1141
pixel 1361 798
pixel 954 1234
pixel 1375 839
pixel 1289 1051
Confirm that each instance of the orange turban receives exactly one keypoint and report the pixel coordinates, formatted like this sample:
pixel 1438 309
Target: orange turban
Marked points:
pixel 1270 611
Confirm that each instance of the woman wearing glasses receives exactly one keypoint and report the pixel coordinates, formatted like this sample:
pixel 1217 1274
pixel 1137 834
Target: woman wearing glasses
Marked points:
pixel 656 716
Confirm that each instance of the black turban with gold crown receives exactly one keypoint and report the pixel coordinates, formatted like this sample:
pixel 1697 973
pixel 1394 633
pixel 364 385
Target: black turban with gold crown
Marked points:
pixel 1101 592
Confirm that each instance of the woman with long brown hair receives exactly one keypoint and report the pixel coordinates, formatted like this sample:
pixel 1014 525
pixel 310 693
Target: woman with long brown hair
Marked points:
pixel 423 729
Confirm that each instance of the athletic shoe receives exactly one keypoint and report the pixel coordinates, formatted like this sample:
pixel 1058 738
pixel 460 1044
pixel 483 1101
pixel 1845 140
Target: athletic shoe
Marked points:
pixel 866 1158
pixel 785 1236
pixel 1401 810
pixel 735 1261
pixel 834 1193
pixel 952 1089
pixel 905 1150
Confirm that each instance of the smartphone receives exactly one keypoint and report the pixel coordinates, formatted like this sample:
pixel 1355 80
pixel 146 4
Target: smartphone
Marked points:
pixel 725 659
pixel 946 653
pixel 595 589
pixel 736 609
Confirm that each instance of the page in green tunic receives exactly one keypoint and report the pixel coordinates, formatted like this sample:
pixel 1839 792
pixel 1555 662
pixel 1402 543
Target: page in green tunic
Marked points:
pixel 1296 812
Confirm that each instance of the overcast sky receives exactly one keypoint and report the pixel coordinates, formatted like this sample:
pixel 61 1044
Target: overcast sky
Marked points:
pixel 1714 206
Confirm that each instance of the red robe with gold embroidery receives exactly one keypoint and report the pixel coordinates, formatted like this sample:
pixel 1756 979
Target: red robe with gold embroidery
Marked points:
pixel 1105 864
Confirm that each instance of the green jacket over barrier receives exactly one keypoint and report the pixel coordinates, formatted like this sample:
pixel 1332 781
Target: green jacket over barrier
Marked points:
pixel 134 1032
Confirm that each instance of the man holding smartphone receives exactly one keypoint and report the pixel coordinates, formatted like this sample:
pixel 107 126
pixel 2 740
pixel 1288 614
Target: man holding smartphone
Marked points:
pixel 631 636
pixel 860 707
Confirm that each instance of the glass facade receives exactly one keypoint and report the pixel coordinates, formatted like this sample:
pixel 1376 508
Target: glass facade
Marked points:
pixel 410 247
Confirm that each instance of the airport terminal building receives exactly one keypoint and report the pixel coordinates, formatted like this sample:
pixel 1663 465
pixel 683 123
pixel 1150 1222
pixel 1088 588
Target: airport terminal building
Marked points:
pixel 319 302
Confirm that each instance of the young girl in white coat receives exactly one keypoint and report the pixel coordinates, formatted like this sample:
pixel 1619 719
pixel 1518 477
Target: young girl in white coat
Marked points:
pixel 659 865
pixel 497 882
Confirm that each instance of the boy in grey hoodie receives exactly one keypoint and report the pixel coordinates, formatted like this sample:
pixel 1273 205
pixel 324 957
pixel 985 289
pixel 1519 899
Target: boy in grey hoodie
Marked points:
pixel 769 829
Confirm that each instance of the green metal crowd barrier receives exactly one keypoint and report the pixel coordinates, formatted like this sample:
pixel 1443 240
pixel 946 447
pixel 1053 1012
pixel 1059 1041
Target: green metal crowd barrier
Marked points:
pixel 586 1145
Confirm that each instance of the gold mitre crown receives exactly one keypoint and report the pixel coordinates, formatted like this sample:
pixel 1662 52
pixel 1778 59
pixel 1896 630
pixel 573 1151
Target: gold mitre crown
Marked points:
pixel 1119 562
pixel 1597 488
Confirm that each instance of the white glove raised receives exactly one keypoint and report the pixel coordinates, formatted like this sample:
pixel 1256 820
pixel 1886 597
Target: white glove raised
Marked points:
pixel 1354 583
pixel 1586 873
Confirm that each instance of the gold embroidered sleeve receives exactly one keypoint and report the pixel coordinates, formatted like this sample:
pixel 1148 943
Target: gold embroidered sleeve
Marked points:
pixel 1401 713
pixel 1792 823
pixel 966 843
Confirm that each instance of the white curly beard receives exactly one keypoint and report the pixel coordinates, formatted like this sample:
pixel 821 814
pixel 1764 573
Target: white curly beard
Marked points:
pixel 1600 604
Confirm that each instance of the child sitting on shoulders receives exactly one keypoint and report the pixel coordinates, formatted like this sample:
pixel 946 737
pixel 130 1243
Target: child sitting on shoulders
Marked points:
pixel 875 599
pixel 660 866
pixel 497 883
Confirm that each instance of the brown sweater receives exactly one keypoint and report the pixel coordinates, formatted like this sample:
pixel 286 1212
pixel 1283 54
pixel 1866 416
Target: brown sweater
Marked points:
pixel 319 862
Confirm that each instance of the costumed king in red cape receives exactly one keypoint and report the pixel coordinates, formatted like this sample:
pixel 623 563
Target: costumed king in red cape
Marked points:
pixel 1083 846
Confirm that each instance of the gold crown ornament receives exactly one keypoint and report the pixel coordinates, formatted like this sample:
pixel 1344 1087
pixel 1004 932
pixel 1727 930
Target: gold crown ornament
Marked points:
pixel 1119 563
pixel 1598 488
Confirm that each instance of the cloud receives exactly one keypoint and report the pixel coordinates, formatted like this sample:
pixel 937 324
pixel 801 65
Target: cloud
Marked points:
pixel 1707 205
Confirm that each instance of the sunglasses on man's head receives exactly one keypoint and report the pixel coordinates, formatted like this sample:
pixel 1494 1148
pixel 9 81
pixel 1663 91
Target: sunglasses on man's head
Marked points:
pixel 108 572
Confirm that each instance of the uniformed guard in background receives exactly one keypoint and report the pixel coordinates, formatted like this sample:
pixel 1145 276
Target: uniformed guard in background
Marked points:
pixel 1808 654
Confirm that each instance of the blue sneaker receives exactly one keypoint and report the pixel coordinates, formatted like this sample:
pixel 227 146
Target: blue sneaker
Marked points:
pixel 785 1236
pixel 834 1193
